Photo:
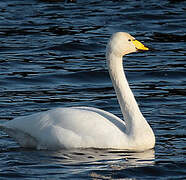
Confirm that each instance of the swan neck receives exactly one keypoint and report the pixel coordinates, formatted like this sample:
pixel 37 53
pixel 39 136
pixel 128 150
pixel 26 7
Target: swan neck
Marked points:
pixel 128 104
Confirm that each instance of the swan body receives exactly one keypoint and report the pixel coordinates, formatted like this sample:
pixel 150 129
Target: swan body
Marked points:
pixel 88 127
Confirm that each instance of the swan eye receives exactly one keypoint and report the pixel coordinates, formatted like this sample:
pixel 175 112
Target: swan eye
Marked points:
pixel 129 40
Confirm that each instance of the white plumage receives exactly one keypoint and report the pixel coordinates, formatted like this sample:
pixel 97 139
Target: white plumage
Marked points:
pixel 87 127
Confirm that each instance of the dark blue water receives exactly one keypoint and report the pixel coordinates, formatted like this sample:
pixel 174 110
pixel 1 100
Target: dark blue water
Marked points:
pixel 52 55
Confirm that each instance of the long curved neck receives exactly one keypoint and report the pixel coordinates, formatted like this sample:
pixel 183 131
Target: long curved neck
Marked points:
pixel 129 107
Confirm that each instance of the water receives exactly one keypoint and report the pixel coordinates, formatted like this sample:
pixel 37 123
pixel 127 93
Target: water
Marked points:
pixel 52 55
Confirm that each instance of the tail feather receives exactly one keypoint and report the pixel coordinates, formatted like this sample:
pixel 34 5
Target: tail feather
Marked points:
pixel 22 138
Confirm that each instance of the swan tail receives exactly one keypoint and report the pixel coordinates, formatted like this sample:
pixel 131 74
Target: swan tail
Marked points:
pixel 22 138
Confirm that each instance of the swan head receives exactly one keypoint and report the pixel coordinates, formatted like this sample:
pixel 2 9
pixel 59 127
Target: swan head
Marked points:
pixel 122 43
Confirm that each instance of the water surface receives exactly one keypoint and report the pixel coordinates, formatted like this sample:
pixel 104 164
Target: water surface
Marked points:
pixel 52 55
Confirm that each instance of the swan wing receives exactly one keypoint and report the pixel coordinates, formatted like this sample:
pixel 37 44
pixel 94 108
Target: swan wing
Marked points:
pixel 74 127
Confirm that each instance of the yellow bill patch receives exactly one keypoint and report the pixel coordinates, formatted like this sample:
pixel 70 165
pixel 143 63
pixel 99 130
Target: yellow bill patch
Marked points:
pixel 139 45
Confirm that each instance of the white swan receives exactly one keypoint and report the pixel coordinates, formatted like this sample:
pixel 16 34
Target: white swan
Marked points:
pixel 87 127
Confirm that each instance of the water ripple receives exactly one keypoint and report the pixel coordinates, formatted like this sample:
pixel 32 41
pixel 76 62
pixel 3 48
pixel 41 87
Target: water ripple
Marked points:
pixel 52 54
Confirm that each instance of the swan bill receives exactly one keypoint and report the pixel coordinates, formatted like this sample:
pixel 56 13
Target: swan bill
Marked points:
pixel 139 46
